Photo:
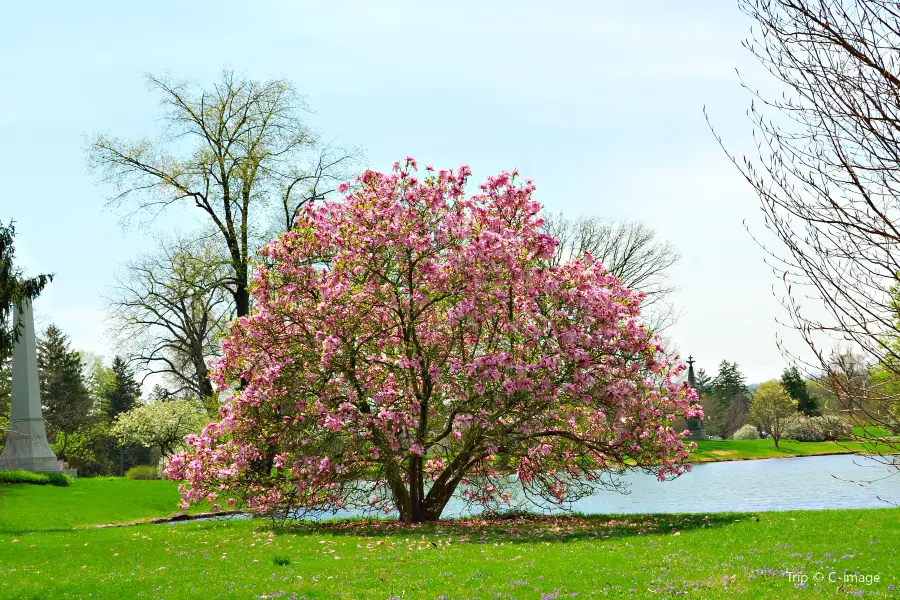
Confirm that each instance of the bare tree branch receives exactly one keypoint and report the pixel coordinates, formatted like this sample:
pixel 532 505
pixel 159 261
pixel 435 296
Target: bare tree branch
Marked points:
pixel 246 157
pixel 169 310
pixel 631 251
pixel 827 175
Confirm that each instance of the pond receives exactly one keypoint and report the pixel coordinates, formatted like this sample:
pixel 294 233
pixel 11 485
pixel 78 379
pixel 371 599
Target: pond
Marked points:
pixel 812 482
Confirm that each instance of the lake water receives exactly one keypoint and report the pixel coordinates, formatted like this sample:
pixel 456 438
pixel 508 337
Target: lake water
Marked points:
pixel 813 482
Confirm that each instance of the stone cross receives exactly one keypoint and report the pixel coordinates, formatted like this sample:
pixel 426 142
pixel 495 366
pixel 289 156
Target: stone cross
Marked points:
pixel 26 442
pixel 694 425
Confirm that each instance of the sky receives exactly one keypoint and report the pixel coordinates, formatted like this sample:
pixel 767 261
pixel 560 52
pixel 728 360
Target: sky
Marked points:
pixel 600 103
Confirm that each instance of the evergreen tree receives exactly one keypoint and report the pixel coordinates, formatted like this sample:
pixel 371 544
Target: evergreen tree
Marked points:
pixel 160 393
pixel 702 383
pixel 14 289
pixel 730 401
pixel 796 388
pixel 65 398
pixel 121 395
pixel 124 391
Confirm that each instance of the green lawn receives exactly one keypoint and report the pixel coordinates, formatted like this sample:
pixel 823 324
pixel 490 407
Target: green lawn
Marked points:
pixel 27 508
pixel 708 451
pixel 872 431
pixel 653 556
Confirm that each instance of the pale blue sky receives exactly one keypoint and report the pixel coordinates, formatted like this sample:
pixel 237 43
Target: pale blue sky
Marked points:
pixel 599 102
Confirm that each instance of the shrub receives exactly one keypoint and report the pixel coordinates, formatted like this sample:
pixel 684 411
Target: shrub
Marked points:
pixel 142 472
pixel 802 430
pixel 59 479
pixel 21 476
pixel 747 432
pixel 832 427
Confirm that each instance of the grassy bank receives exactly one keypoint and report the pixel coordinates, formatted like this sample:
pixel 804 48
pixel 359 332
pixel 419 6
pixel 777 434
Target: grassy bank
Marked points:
pixel 28 508
pixel 711 451
pixel 638 556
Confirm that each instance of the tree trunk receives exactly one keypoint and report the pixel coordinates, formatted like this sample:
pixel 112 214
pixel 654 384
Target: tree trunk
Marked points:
pixel 204 385
pixel 425 509
pixel 242 298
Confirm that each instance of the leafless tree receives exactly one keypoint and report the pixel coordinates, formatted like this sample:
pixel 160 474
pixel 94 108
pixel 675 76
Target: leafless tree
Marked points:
pixel 240 152
pixel 847 378
pixel 169 309
pixel 631 251
pixel 827 172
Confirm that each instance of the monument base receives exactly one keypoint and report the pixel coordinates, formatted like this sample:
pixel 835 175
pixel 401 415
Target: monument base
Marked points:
pixel 27 448
pixel 696 430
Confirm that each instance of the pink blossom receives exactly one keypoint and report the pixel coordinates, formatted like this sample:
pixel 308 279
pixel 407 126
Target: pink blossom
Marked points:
pixel 407 319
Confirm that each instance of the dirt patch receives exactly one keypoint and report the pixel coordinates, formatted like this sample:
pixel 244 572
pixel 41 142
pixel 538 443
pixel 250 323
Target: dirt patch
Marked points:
pixel 724 452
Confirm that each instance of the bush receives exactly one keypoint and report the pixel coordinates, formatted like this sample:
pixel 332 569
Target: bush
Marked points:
pixel 21 476
pixel 142 472
pixel 59 479
pixel 832 427
pixel 747 432
pixel 803 430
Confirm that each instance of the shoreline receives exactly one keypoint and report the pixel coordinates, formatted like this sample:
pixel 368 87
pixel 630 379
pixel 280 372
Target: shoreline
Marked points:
pixel 737 450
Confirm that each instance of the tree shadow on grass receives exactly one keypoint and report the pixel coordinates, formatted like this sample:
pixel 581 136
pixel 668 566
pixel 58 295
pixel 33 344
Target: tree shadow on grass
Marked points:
pixel 524 527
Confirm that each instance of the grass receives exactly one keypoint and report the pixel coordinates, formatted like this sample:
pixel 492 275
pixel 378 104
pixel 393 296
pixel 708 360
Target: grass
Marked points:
pixel 709 451
pixel 638 556
pixel 30 508
pixel 653 556
pixel 872 431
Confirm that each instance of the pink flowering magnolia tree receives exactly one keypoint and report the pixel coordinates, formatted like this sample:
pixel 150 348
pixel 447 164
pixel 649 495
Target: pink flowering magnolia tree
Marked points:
pixel 409 342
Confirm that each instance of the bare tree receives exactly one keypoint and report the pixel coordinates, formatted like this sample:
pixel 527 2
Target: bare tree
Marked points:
pixel 631 251
pixel 827 175
pixel 847 378
pixel 247 156
pixel 169 310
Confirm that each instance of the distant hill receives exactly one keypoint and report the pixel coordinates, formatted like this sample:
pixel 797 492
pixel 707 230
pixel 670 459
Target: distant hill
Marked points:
pixel 752 386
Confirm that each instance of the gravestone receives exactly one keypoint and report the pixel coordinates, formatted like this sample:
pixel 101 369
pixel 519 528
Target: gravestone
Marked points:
pixel 26 442
pixel 694 425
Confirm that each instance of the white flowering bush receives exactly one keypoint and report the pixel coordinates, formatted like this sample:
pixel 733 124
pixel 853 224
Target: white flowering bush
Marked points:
pixel 747 432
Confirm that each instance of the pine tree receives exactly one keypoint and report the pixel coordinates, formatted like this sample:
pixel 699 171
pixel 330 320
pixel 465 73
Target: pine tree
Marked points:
pixel 122 395
pixel 702 383
pixel 161 393
pixel 730 400
pixel 124 392
pixel 14 289
pixel 796 388
pixel 65 398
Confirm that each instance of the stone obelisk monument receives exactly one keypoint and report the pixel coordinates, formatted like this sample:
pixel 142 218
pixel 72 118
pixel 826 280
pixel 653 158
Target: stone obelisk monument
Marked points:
pixel 26 443
pixel 694 425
